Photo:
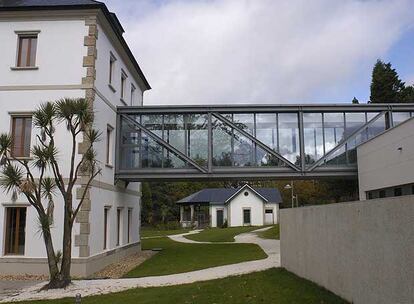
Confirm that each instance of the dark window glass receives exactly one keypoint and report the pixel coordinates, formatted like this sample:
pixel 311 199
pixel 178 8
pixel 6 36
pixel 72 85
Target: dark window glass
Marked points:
pixel 382 193
pixel 27 51
pixel 246 216
pixel 412 189
pixel 129 225
pixel 106 210
pixel 21 134
pixel 15 230
pixel 397 191
pixel 269 211
pixel 187 214
pixel 370 195
pixel 118 227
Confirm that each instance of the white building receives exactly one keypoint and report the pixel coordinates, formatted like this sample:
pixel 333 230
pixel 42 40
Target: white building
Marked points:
pixel 67 48
pixel 386 163
pixel 244 206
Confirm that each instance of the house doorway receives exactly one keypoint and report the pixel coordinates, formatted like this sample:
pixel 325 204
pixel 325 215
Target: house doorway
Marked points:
pixel 220 217
pixel 202 215
pixel 269 219
pixel 246 217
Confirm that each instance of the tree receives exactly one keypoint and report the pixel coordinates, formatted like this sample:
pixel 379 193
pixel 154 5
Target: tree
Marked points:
pixel 355 100
pixel 386 86
pixel 41 179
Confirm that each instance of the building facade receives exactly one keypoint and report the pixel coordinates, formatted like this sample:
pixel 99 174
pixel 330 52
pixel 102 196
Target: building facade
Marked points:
pixel 386 163
pixel 51 50
pixel 219 207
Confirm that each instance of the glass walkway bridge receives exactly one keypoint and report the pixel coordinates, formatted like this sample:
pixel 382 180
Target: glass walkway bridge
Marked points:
pixel 247 141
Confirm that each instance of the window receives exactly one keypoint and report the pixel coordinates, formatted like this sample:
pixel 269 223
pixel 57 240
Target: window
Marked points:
pixel 106 211
pixel 123 83
pixel 382 193
pixel 186 213
pixel 112 60
pixel 370 195
pixel 109 139
pixel 132 94
pixel 129 225
pixel 412 189
pixel 118 226
pixel 26 52
pixel 246 217
pixel 15 230
pixel 21 134
pixel 397 191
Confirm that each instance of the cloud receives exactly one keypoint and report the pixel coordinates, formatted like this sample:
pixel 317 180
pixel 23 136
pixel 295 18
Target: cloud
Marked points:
pixel 258 51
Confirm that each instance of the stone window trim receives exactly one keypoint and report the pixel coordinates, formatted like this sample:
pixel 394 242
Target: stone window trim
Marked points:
pixel 124 77
pixel 109 146
pixel 112 61
pixel 20 34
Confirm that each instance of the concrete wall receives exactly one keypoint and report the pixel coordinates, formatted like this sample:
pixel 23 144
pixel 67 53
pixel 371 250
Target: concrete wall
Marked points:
pixel 380 162
pixel 362 251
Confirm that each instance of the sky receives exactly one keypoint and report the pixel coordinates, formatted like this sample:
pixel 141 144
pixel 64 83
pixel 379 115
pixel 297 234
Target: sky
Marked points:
pixel 265 51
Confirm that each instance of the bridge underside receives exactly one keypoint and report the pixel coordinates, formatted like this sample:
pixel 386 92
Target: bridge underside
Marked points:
pixel 247 142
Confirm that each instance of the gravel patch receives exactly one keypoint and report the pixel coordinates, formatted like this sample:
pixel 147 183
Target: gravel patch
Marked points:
pixel 119 269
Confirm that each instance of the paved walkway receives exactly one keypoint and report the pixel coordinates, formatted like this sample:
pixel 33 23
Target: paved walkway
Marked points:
pixel 98 287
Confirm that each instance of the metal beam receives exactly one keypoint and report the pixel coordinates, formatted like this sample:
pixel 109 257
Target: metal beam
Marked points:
pixel 160 141
pixel 255 140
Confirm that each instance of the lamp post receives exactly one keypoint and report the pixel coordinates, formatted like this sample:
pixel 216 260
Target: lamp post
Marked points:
pixel 287 187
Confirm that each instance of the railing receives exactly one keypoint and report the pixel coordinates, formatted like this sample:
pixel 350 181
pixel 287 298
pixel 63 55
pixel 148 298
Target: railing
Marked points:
pixel 250 142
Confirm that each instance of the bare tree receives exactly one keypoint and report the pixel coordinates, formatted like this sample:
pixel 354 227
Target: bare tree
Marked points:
pixel 41 179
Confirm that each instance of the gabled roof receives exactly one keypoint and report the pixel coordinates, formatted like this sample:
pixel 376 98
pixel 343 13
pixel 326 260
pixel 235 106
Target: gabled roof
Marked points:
pixel 223 195
pixel 34 5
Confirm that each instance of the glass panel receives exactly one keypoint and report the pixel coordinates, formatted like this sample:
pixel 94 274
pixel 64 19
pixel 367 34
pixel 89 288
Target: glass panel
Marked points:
pixel 243 151
pixel 376 127
pixel 244 122
pixel 23 48
pixel 15 230
pixel 197 137
pixel 338 158
pixel 174 134
pixel 312 124
pixel 130 145
pixel 334 127
pixel 33 51
pixel 353 122
pixel 266 130
pixel 151 153
pixel 222 143
pixel 399 117
pixel 289 137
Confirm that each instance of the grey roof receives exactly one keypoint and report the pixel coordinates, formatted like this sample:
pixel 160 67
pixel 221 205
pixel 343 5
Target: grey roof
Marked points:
pixel 27 5
pixel 221 195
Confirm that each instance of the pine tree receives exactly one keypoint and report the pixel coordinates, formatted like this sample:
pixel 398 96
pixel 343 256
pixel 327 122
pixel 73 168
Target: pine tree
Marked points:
pixel 355 100
pixel 386 86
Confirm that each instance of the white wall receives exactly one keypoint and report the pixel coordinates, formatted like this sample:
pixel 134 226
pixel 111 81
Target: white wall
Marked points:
pixel 105 48
pixel 240 201
pixel 102 198
pixel 59 53
pixel 381 164
pixel 275 208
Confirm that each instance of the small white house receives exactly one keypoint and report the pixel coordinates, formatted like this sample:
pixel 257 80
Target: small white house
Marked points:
pixel 244 206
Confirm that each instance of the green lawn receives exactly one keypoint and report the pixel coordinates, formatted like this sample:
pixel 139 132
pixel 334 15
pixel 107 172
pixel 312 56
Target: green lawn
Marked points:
pixel 151 232
pixel 180 257
pixel 272 233
pixel 220 234
pixel 271 286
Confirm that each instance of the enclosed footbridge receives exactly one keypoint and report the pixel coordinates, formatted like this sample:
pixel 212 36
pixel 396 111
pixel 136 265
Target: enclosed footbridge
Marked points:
pixel 247 141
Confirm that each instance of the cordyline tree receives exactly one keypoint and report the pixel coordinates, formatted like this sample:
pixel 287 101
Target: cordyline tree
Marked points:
pixel 41 179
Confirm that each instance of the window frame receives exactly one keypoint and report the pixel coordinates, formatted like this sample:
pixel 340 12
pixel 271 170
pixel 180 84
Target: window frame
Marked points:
pixel 109 153
pixel 7 251
pixel 119 226
pixel 129 219
pixel 124 78
pixel 23 116
pixel 112 62
pixel 133 92
pixel 34 34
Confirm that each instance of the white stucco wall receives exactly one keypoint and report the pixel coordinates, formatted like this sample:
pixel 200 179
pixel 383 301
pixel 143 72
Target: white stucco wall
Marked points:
pixel 59 58
pixel 380 162
pixel 239 202
pixel 275 208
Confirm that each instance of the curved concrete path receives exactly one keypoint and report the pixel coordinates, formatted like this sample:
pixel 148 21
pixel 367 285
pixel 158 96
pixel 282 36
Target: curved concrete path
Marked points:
pixel 104 286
